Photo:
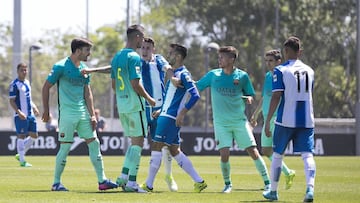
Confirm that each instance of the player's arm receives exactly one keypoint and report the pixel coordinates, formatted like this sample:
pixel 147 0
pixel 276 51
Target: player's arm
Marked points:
pixel 274 102
pixel 103 69
pixel 140 90
pixel 89 99
pixel 45 98
pixel 21 114
pixel 255 115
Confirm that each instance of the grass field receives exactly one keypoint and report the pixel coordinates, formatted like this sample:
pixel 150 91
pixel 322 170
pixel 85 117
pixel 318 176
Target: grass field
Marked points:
pixel 337 180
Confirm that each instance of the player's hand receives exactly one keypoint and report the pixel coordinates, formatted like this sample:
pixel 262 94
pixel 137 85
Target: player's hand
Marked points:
pixel 155 114
pixel 45 117
pixel 253 121
pixel 176 82
pixel 22 116
pixel 268 133
pixel 93 122
pixel 248 99
pixel 180 118
pixel 151 101
pixel 36 111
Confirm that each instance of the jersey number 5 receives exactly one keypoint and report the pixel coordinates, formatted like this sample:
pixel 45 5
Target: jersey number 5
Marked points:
pixel 121 80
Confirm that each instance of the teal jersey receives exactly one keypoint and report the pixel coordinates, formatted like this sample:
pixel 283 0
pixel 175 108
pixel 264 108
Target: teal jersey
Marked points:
pixel 226 94
pixel 71 85
pixel 267 93
pixel 126 66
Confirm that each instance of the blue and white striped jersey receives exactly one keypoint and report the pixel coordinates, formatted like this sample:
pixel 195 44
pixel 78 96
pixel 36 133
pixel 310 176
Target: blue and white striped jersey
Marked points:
pixel 21 91
pixel 153 76
pixel 177 98
pixel 296 80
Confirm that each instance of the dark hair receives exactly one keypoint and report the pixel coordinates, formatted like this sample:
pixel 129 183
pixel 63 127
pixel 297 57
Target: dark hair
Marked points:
pixel 134 30
pixel 230 51
pixel 149 40
pixel 79 43
pixel 275 53
pixel 180 49
pixel 293 43
pixel 21 64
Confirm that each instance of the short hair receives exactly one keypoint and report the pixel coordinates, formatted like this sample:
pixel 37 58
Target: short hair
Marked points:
pixel 21 64
pixel 79 43
pixel 230 51
pixel 275 53
pixel 180 49
pixel 149 40
pixel 293 43
pixel 134 30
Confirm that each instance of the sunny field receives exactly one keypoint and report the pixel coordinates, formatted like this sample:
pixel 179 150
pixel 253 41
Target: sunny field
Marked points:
pixel 338 180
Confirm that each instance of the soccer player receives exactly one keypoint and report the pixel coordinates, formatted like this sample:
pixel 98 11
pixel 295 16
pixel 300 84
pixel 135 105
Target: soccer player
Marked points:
pixel 230 89
pixel 130 98
pixel 153 70
pixel 76 111
pixel 293 84
pixel 272 59
pixel 178 101
pixel 25 112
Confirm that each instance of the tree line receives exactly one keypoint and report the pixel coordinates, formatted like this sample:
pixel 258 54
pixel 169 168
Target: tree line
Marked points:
pixel 327 29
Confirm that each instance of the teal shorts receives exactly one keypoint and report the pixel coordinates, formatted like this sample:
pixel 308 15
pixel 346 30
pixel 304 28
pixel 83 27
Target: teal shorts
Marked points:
pixel 267 141
pixel 68 124
pixel 134 124
pixel 241 133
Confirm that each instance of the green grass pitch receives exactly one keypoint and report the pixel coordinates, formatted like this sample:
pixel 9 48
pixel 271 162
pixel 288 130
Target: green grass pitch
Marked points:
pixel 337 180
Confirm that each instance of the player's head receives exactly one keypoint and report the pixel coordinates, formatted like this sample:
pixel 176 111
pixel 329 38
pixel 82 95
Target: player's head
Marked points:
pixel 272 58
pixel 177 53
pixel 80 47
pixel 22 70
pixel 227 56
pixel 147 48
pixel 292 48
pixel 135 34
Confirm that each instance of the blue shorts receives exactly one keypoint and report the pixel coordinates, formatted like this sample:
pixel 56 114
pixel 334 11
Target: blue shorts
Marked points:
pixel 25 126
pixel 303 139
pixel 167 132
pixel 152 122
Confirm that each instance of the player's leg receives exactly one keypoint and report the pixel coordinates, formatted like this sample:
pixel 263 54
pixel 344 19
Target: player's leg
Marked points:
pixel 224 140
pixel 166 156
pixel 21 131
pixel 281 137
pixel 304 143
pixel 245 139
pixel 155 162
pixel 137 131
pixel 33 134
pixel 173 140
pixel 266 149
pixel 167 159
pixel 86 132
pixel 67 125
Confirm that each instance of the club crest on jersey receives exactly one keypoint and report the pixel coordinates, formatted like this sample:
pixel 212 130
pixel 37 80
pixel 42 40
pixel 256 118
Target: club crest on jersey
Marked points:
pixel 274 78
pixel 236 82
pixel 62 135
pixel 138 70
pixel 188 78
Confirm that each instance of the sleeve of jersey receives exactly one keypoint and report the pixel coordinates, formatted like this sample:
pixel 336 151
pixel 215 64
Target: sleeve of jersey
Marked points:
pixel 134 67
pixel 248 87
pixel 55 74
pixel 12 90
pixel 204 82
pixel 277 82
pixel 162 62
pixel 191 89
pixel 113 68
